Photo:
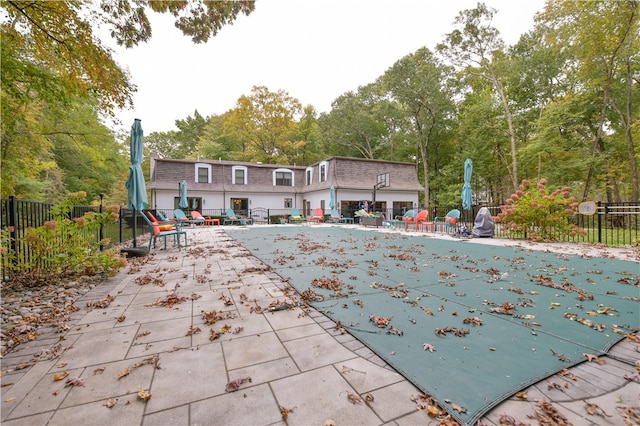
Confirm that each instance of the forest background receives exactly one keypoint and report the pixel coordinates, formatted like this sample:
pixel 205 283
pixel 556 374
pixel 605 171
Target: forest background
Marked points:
pixel 559 104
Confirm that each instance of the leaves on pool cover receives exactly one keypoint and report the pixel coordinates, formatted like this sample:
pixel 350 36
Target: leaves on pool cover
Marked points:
pixel 428 347
pixel 381 322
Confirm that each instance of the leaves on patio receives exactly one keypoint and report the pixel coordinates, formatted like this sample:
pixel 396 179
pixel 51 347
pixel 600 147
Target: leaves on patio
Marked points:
pixel 101 304
pixel 592 357
pixel 74 381
pixel 213 316
pixel 546 414
pixel 169 301
pixel 284 412
pixel 353 398
pixel 149 279
pixel 152 360
pixel 109 403
pixel 144 395
pixel 57 377
pixel 234 385
pixel 193 330
pixel 595 410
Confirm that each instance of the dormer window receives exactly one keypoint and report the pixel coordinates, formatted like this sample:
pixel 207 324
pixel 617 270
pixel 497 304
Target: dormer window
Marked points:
pixel 324 171
pixel 283 177
pixel 239 175
pixel 202 173
pixel 308 176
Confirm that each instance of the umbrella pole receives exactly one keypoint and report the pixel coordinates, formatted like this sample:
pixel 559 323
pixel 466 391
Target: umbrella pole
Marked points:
pixel 135 233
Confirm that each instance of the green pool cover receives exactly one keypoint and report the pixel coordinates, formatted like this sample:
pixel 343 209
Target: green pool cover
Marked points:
pixel 469 324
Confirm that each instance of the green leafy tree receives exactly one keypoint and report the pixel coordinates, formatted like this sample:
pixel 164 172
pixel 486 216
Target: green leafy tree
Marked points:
pixel 51 61
pixel 418 86
pixel 472 47
pixel 600 41
pixel 355 127
pixel 266 122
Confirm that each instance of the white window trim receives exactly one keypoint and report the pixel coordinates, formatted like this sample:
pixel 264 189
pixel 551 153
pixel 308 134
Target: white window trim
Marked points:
pixel 326 171
pixel 308 171
pixel 293 176
pixel 204 166
pixel 233 174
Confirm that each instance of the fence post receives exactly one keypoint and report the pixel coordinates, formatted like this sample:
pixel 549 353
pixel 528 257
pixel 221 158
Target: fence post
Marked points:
pixel 600 223
pixel 13 225
pixel 101 234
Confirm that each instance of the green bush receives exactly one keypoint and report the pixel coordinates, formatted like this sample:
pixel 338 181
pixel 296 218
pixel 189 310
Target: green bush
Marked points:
pixel 63 247
pixel 538 215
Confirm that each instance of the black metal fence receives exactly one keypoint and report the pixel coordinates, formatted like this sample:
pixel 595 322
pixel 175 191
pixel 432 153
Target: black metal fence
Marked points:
pixel 613 224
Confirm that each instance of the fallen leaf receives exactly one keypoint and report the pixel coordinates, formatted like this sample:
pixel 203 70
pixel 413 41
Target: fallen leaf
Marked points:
pixel 10 399
pixel 594 409
pixel 234 385
pixel 285 412
pixel 109 403
pixel 428 347
pixel 522 395
pixel 592 357
pixel 123 373
pixel 144 395
pixel 57 377
pixel 458 408
pixel 74 381
pixel 353 398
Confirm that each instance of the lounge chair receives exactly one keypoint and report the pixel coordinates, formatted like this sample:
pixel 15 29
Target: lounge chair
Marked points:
pixel 233 218
pixel 158 230
pixel 447 223
pixel 296 217
pixel 197 218
pixel 317 216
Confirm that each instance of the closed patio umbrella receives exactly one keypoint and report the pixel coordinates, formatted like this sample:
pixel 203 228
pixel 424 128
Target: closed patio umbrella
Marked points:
pixel 136 189
pixel 332 198
pixel 467 195
pixel 183 195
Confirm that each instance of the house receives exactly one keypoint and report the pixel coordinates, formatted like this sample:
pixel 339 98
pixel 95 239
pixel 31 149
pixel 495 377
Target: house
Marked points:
pixel 260 190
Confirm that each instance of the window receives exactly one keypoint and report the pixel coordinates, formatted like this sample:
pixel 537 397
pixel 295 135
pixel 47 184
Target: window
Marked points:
pixel 324 168
pixel 288 203
pixel 203 173
pixel 239 175
pixel 309 175
pixel 283 177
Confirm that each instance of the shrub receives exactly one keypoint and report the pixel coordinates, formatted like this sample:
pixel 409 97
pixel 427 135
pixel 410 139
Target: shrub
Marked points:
pixel 536 214
pixel 64 248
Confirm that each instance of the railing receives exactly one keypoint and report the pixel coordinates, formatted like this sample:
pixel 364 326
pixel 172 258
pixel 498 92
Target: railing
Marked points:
pixel 614 224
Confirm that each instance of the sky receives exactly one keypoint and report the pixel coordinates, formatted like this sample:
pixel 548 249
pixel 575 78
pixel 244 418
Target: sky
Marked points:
pixel 314 50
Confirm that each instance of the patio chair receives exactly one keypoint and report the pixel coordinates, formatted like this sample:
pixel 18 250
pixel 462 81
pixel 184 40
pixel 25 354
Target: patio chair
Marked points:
pixel 197 218
pixel 158 230
pixel 416 220
pixel 447 223
pixel 317 216
pixel 163 218
pixel 296 217
pixel 233 218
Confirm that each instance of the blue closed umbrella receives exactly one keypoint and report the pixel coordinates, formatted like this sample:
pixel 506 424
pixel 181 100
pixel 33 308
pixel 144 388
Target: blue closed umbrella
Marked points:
pixel 467 195
pixel 183 195
pixel 332 198
pixel 136 189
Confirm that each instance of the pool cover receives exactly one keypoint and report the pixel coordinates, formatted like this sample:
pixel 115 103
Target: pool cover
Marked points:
pixel 469 324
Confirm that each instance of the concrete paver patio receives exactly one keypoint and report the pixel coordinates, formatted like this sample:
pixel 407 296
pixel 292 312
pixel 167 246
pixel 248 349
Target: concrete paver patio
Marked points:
pixel 295 358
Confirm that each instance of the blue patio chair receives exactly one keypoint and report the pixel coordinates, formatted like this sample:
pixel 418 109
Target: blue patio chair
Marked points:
pixel 233 218
pixel 447 223
pixel 158 230
pixel 296 217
